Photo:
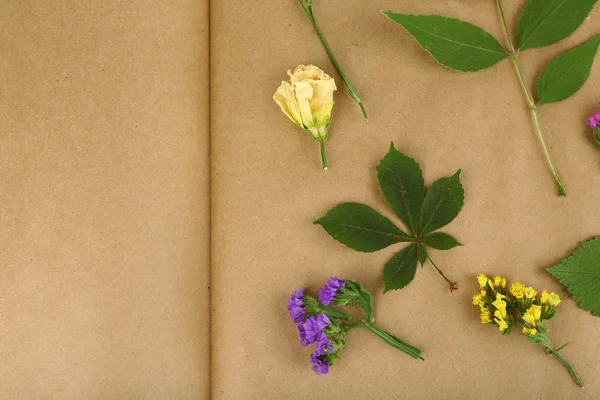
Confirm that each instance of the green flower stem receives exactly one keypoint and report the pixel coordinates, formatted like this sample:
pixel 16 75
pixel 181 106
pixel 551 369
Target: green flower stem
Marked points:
pixel 307 7
pixel 450 283
pixel 394 341
pixel 551 350
pixel 323 155
pixel 532 106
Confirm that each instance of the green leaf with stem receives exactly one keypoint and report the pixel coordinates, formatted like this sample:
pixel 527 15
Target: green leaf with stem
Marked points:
pixel 532 106
pixel 363 229
pixel 307 8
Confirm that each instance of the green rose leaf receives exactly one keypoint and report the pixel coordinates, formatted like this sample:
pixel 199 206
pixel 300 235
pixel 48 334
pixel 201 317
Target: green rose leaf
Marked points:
pixel 545 22
pixel 580 274
pixel 455 44
pixel 442 203
pixel 440 241
pixel 567 73
pixel 401 181
pixel 361 228
pixel 400 270
pixel 422 254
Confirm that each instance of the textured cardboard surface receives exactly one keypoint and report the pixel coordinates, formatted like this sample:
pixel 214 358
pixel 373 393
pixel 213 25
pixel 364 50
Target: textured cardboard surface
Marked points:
pixel 267 188
pixel 104 199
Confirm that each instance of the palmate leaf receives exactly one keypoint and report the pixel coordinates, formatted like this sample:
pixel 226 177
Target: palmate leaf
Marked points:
pixel 363 229
pixel 567 73
pixel 401 181
pixel 545 22
pixel 455 44
pixel 580 274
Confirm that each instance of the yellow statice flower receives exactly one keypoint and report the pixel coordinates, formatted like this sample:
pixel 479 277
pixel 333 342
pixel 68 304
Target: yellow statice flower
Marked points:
pixel 498 283
pixel 530 292
pixel 545 296
pixel 485 316
pixel 518 290
pixel 552 299
pixel 502 324
pixel 482 280
pixel 478 299
pixel 530 331
pixel 533 314
pixel 500 308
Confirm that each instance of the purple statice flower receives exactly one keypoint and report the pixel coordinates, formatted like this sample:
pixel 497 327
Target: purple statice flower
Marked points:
pixel 327 294
pixel 319 366
pixel 323 344
pixel 296 306
pixel 594 120
pixel 310 329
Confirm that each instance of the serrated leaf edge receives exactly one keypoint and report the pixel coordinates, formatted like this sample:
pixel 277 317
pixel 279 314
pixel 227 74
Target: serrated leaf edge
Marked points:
pixel 567 287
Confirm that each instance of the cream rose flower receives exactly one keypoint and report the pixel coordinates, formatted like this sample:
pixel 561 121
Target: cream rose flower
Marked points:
pixel 307 99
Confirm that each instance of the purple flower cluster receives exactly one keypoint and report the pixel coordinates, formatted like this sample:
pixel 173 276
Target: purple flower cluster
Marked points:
pixel 323 347
pixel 327 294
pixel 311 328
pixel 594 120
pixel 312 331
pixel 296 306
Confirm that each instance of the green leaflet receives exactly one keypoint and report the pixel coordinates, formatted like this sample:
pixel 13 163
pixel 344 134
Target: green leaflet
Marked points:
pixel 580 274
pixel 422 254
pixel 567 73
pixel 361 228
pixel 400 270
pixel 401 180
pixel 440 241
pixel 545 22
pixel 455 44
pixel 443 202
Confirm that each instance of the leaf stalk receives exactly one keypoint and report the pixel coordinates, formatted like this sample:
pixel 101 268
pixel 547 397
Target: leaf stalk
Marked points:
pixel 514 55
pixel 450 283
pixel 307 8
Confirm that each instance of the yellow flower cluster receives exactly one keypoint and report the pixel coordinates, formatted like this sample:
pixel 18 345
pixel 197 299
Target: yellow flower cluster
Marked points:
pixel 494 303
pixel 500 306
